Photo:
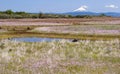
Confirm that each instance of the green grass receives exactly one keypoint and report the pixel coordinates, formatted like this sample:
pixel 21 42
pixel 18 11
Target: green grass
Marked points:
pixel 60 57
pixel 58 35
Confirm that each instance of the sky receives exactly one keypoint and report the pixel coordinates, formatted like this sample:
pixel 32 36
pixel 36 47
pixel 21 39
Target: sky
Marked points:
pixel 60 6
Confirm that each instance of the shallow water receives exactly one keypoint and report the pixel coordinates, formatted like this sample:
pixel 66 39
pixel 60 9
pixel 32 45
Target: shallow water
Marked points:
pixel 35 39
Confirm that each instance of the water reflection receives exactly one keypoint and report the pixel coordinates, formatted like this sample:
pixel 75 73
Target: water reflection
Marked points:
pixel 35 39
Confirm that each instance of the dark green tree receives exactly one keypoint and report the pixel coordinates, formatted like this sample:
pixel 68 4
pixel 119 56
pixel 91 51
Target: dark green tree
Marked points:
pixel 21 13
pixel 101 15
pixel 40 15
pixel 9 12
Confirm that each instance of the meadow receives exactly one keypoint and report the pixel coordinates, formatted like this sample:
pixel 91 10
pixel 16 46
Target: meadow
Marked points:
pixel 79 28
pixel 60 57
pixel 96 52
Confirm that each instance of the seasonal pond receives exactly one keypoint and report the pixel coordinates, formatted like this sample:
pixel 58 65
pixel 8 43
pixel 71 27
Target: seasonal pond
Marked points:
pixel 35 39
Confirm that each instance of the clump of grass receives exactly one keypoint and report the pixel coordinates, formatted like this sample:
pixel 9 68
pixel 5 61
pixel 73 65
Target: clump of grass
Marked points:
pixel 28 28
pixel 56 57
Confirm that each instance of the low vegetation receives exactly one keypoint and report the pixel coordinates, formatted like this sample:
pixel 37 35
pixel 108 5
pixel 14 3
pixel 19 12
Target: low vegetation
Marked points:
pixel 56 57
pixel 91 32
pixel 82 29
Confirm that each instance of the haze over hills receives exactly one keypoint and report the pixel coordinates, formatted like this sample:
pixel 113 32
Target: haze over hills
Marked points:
pixel 75 13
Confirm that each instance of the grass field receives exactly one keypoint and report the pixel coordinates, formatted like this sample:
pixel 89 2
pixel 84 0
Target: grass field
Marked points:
pixel 96 52
pixel 86 28
pixel 82 29
pixel 60 57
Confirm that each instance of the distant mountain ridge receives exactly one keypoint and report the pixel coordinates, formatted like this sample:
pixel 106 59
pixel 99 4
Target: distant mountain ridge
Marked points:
pixel 113 14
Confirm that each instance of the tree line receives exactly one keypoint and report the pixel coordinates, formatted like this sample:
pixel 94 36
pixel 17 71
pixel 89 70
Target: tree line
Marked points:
pixel 9 14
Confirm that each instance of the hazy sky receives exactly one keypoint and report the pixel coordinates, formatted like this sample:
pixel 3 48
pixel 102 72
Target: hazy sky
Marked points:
pixel 61 6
